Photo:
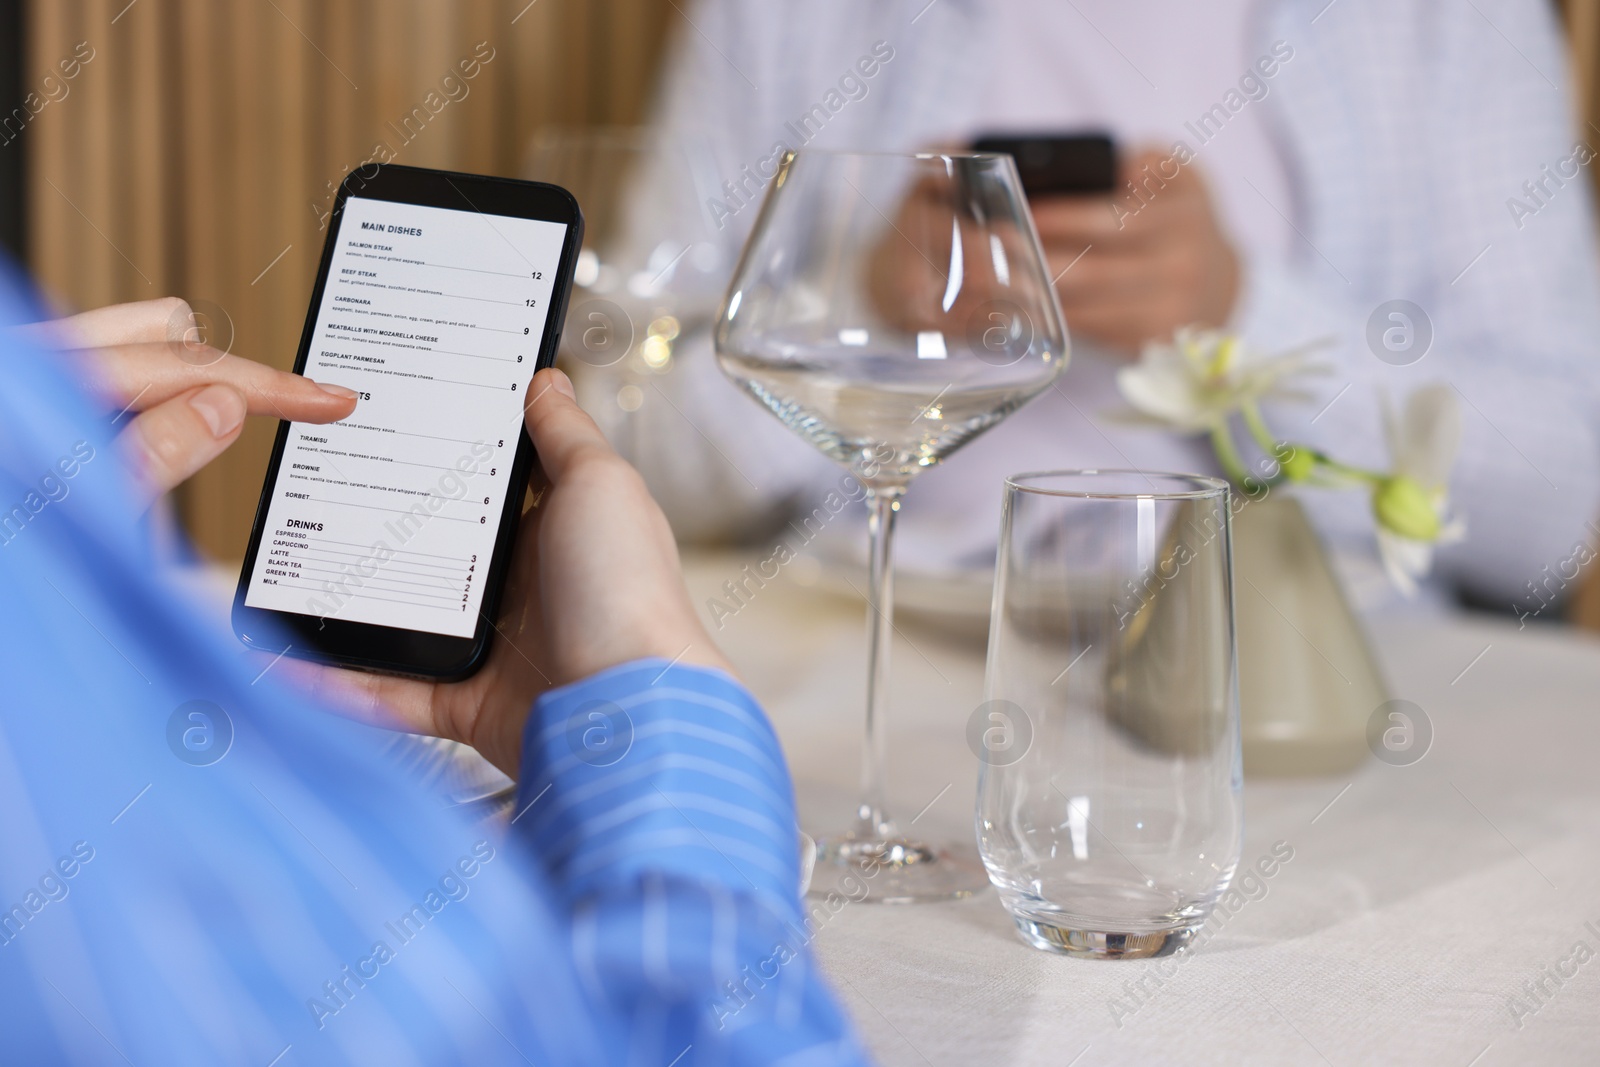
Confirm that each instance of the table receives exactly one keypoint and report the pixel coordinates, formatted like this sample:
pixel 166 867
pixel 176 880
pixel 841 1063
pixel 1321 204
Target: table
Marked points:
pixel 1422 911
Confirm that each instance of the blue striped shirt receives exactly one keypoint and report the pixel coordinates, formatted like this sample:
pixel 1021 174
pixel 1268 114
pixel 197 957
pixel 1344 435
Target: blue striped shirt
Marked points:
pixel 197 865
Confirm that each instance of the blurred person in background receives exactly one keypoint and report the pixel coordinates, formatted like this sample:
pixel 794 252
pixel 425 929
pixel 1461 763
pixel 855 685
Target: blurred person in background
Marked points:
pixel 1288 166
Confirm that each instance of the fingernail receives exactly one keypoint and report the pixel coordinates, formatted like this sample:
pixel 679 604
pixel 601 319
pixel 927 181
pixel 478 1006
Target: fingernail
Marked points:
pixel 562 384
pixel 221 407
pixel 337 390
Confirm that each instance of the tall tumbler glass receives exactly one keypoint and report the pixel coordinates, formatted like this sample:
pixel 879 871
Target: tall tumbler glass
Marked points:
pixel 1109 813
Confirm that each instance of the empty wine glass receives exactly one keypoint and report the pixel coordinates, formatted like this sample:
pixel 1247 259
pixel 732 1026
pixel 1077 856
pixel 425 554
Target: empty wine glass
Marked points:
pixel 890 308
pixel 652 267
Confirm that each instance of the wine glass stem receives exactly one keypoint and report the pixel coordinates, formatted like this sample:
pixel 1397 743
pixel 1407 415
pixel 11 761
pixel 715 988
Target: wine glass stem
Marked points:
pixel 883 503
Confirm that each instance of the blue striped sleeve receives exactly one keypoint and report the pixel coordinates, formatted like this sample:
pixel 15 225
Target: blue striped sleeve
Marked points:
pixel 660 769
pixel 658 800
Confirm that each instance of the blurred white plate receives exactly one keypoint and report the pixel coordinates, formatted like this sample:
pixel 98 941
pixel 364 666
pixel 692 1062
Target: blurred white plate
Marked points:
pixel 956 601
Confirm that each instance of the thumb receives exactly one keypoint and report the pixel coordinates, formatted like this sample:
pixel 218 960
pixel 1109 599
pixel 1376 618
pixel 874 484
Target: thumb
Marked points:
pixel 563 434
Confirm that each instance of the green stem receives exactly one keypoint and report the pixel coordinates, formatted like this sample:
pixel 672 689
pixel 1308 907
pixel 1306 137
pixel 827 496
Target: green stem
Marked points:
pixel 1228 456
pixel 1269 445
pixel 1358 473
pixel 1258 428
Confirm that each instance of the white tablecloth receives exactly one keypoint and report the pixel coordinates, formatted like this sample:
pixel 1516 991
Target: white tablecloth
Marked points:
pixel 1431 914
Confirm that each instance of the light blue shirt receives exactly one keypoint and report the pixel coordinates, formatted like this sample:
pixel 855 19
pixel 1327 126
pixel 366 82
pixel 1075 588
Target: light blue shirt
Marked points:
pixel 197 865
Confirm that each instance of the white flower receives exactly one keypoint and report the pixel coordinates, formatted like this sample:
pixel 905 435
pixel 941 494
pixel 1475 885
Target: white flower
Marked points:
pixel 1195 381
pixel 1412 504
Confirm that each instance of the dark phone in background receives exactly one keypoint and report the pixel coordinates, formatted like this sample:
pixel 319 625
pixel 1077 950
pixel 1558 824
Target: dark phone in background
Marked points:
pixel 1052 164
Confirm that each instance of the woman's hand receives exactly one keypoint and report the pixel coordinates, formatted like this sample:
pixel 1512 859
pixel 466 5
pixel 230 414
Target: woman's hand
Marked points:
pixel 183 402
pixel 594 583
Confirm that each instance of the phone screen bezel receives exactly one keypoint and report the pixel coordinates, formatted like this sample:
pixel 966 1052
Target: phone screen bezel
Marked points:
pixel 388 649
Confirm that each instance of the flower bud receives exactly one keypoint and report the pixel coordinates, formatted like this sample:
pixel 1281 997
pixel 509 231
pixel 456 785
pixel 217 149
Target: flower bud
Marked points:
pixel 1295 461
pixel 1402 507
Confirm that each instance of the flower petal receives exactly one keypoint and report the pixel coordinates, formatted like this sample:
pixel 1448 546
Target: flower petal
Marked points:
pixel 1430 435
pixel 1404 560
pixel 1164 393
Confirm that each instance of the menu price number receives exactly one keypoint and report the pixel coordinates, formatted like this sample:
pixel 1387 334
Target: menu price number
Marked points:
pixel 483 520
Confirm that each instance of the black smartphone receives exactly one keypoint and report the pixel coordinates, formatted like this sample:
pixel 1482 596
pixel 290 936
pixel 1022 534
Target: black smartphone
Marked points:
pixel 382 542
pixel 1056 164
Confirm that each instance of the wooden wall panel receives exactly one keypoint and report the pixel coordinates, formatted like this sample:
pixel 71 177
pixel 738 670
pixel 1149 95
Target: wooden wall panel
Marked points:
pixel 1583 31
pixel 204 137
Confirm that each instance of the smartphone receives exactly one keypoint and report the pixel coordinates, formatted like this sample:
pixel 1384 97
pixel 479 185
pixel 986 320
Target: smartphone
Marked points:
pixel 1075 164
pixel 382 542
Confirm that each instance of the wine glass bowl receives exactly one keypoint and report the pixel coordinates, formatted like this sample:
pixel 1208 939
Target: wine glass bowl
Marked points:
pixel 889 309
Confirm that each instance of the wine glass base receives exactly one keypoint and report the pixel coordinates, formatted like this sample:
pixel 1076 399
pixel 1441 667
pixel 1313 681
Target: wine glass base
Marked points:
pixel 1103 944
pixel 895 870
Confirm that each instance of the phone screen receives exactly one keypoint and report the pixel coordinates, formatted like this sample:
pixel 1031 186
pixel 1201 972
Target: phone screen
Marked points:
pixel 435 317
pixel 1058 164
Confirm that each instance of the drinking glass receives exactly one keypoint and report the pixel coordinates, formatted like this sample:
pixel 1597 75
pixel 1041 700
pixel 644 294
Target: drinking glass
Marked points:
pixel 1109 812
pixel 888 309
pixel 652 268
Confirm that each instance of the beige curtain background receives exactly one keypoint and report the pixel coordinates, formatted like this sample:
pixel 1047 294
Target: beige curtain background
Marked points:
pixel 197 147
pixel 194 152
pixel 1583 30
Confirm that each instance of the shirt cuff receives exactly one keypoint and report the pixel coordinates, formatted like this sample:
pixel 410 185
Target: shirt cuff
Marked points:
pixel 654 769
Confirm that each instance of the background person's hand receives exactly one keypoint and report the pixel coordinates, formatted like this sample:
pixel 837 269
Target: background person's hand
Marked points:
pixel 185 401
pixel 915 261
pixel 594 582
pixel 1150 266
